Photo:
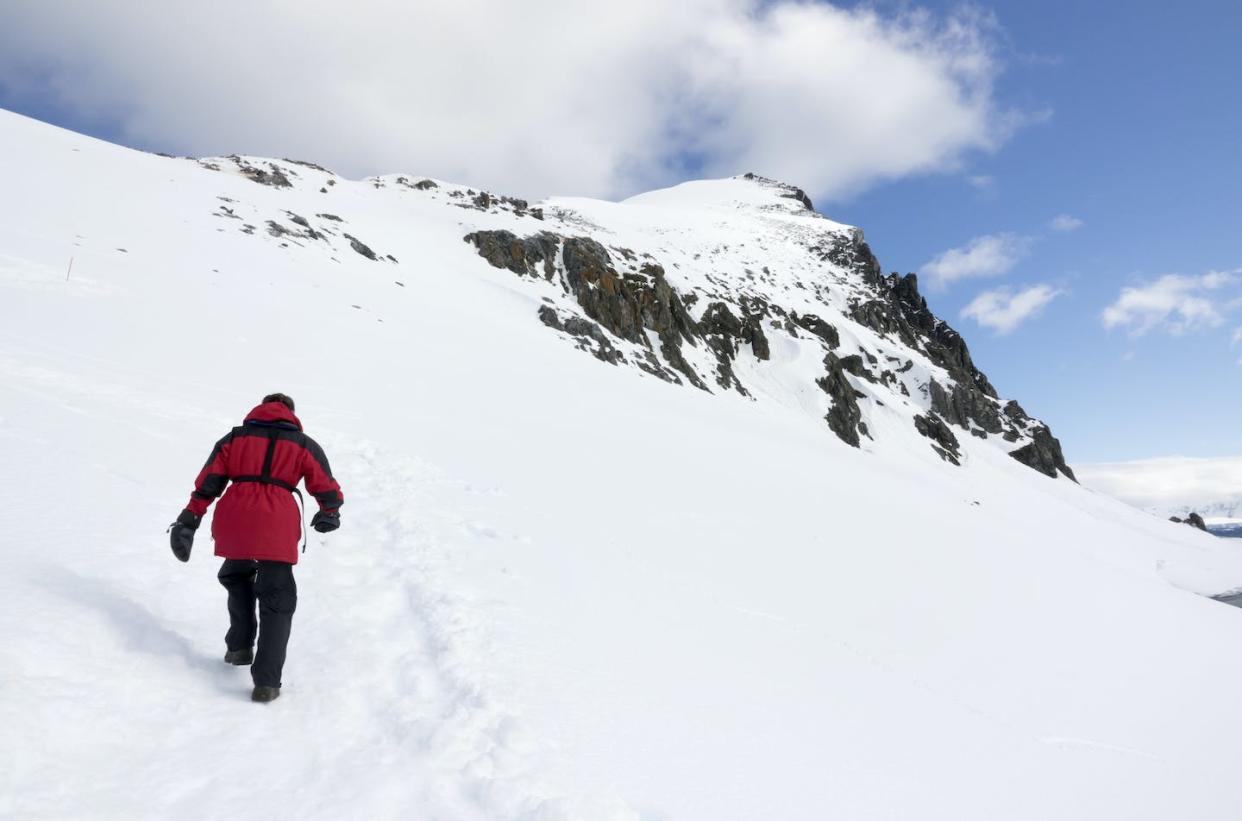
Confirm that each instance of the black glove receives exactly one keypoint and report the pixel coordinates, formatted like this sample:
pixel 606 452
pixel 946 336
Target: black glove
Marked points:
pixel 182 534
pixel 326 521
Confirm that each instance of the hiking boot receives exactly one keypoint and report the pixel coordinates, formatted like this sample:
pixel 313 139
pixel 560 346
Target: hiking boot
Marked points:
pixel 240 657
pixel 264 694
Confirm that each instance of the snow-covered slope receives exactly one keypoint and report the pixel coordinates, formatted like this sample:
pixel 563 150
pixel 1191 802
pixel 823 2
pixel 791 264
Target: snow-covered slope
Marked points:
pixel 563 588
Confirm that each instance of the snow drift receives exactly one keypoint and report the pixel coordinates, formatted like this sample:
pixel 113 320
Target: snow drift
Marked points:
pixel 772 557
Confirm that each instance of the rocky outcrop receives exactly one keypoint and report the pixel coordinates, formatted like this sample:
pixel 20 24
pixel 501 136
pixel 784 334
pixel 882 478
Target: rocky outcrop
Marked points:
pixel 626 305
pixel 818 327
pixel 900 310
pixel 361 247
pixel 852 253
pixel 963 405
pixel 844 417
pixel 1194 520
pixel 531 256
pixel 629 313
pixel 273 175
pixel 1043 454
pixel 943 440
pixel 592 335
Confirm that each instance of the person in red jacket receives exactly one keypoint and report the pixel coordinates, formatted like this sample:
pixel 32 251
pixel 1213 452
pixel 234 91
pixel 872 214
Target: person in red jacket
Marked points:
pixel 257 528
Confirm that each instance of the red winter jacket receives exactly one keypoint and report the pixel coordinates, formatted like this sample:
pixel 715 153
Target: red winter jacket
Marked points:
pixel 265 458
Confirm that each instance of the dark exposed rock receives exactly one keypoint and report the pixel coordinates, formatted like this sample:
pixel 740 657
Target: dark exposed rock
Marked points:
pixel 361 247
pixel 332 217
pixel 934 428
pixel 503 249
pixel 962 405
pixel 626 306
pixel 601 292
pixel 759 344
pixel 854 365
pixel 718 319
pixel 819 328
pixel 1014 411
pixel 307 164
pixel 1194 520
pixel 901 311
pixel 421 185
pixel 844 416
pixel 852 253
pixel 602 349
pixel 272 175
pixel 1043 453
pixel 275 229
pixel 787 191
pixel 297 220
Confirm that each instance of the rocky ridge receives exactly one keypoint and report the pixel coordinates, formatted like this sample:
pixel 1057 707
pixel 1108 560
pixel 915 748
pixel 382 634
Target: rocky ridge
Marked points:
pixel 624 295
pixel 723 286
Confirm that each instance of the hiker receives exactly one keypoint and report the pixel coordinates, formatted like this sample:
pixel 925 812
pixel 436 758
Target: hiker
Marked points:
pixel 257 528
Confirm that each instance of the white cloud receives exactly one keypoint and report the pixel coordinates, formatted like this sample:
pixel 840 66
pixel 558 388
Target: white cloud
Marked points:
pixel 1174 303
pixel 1003 310
pixel 1065 223
pixel 530 98
pixel 1172 485
pixel 987 256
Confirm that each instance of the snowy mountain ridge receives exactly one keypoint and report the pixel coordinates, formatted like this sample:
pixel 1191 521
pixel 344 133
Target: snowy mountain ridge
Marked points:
pixel 724 285
pixel 564 589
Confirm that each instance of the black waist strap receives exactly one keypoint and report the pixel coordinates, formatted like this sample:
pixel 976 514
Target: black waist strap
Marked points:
pixel 267 479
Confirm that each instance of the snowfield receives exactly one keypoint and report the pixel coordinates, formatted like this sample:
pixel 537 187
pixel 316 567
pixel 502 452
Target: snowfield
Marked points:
pixel 562 589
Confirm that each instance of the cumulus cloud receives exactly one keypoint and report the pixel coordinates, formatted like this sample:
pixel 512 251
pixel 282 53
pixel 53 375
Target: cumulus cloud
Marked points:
pixel 987 256
pixel 1065 223
pixel 533 97
pixel 1003 310
pixel 1174 303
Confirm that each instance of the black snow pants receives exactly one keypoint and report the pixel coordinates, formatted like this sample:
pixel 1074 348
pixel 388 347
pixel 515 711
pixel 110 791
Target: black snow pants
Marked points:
pixel 271 585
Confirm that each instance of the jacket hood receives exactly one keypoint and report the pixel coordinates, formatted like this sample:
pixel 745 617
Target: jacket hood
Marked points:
pixel 270 413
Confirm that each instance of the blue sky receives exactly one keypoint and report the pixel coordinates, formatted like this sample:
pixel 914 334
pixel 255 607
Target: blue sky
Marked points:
pixel 1144 145
pixel 1130 124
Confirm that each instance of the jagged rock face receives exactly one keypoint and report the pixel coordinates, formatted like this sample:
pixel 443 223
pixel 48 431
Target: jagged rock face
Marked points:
pixel 945 443
pixel 880 345
pixel 1043 454
pixel 819 328
pixel 845 417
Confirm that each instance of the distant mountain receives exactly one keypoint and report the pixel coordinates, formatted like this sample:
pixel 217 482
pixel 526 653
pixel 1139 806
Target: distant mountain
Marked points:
pixel 1173 486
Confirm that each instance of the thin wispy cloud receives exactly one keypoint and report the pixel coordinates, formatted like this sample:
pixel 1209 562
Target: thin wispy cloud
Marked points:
pixel 1173 303
pixel 990 255
pixel 1065 223
pixel 981 182
pixel 1004 310
pixel 530 98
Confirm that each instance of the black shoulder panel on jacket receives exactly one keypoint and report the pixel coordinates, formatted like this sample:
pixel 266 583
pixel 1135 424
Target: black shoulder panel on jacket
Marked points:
pixel 320 457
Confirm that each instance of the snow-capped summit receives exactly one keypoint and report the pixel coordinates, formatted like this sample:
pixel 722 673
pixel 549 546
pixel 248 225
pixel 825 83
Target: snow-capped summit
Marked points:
pixel 678 507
